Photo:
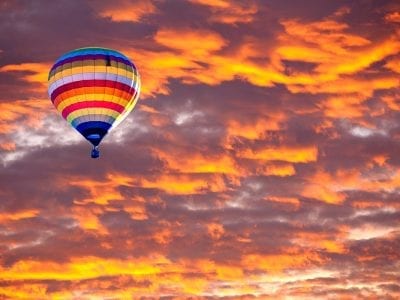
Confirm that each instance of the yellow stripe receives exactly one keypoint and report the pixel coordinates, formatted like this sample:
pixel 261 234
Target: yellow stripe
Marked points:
pixel 85 93
pixel 92 97
pixel 92 111
pixel 74 71
pixel 90 62
pixel 88 66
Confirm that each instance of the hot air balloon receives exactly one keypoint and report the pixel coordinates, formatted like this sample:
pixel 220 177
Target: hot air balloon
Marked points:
pixel 94 89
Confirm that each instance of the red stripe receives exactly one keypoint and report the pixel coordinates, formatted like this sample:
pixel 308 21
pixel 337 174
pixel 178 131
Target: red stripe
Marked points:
pixel 63 97
pixel 89 104
pixel 91 83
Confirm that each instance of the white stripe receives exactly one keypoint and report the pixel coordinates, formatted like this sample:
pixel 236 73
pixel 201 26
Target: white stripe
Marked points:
pixel 89 76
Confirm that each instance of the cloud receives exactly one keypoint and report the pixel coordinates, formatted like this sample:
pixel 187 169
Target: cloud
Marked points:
pixel 185 184
pixel 278 263
pixel 393 17
pixel 125 10
pixel 18 215
pixel 215 230
pixel 229 12
pixel 193 42
pixel 334 53
pixel 29 125
pixel 393 64
pixel 34 72
pixel 261 160
pixel 294 155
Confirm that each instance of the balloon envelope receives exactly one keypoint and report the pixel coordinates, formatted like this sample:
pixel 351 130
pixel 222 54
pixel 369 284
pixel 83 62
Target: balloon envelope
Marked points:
pixel 94 89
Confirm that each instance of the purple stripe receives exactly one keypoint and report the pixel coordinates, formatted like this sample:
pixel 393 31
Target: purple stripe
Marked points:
pixel 91 56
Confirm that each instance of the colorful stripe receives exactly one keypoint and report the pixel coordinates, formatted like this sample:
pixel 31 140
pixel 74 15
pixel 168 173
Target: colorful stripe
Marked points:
pixel 92 111
pixel 101 118
pixel 90 128
pixel 92 50
pixel 90 66
pixel 97 104
pixel 90 84
pixel 78 58
pixel 94 89
pixel 127 79
pixel 91 97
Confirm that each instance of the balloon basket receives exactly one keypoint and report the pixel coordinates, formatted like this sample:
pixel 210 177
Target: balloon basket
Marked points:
pixel 95 152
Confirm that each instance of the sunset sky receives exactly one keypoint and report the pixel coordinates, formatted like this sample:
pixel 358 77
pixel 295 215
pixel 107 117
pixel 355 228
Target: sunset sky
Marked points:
pixel 262 159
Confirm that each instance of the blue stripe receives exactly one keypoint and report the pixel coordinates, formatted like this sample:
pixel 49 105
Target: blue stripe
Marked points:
pixel 90 57
pixel 93 125
pixel 99 118
pixel 94 131
pixel 86 51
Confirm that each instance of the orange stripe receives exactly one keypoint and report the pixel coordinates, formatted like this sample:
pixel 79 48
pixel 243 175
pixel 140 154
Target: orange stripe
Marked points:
pixel 92 90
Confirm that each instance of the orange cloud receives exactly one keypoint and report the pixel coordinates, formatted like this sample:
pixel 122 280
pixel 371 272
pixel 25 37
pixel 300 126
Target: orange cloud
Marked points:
pixel 393 17
pixel 88 218
pixel 164 274
pixel 274 264
pixel 327 44
pixel 322 186
pixel 194 58
pixel 136 208
pixel 125 10
pixel 281 170
pixel 229 272
pixel 215 230
pixel 365 179
pixel 163 236
pixel 330 188
pixel 101 192
pixel 80 268
pixel 332 244
pixel 327 36
pixel 165 231
pixel 285 200
pixel 367 204
pixel 255 129
pixel 344 106
pixel 17 119
pixel 198 163
pixel 353 86
pixel 184 184
pixel 16 113
pixel 366 57
pixel 393 64
pixel 229 12
pixel 9 217
pixel 34 72
pixel 8 146
pixel 293 155
pixel 196 43
pixel 156 68
pixel 335 53
pixel 24 291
